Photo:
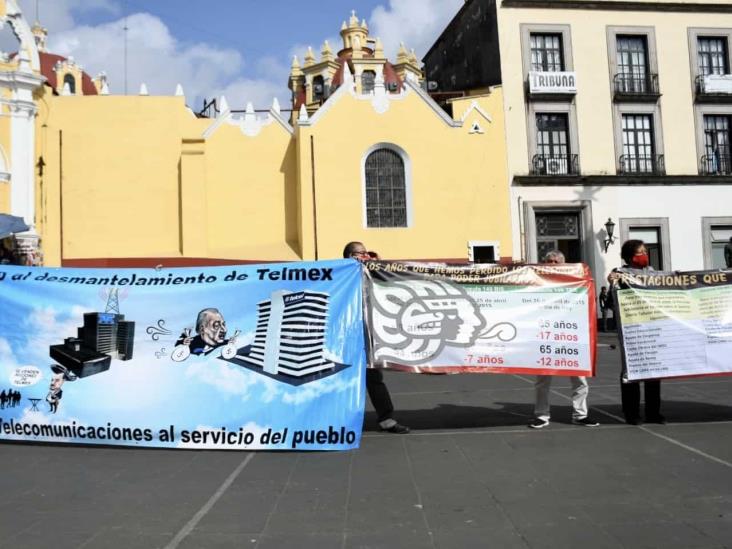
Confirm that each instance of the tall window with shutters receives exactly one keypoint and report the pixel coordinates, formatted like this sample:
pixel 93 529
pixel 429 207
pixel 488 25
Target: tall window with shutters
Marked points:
pixel 386 192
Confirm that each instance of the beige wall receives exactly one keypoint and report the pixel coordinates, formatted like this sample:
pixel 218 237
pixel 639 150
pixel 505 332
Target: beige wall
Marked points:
pixel 678 211
pixel 597 151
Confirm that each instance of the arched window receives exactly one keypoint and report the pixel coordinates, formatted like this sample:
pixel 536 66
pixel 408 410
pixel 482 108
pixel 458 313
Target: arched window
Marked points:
pixel 368 79
pixel 71 81
pixel 318 88
pixel 386 190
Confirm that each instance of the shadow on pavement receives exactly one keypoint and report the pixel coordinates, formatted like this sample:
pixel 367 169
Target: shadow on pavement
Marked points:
pixel 513 414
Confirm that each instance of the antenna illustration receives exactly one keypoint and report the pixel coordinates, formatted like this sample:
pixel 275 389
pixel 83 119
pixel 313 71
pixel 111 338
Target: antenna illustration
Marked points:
pixel 112 302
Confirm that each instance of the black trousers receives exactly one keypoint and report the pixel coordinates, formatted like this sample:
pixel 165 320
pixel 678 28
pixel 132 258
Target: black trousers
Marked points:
pixel 379 394
pixel 630 394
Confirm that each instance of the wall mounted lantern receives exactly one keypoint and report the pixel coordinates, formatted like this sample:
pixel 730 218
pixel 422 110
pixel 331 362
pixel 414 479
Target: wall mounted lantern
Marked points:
pixel 609 229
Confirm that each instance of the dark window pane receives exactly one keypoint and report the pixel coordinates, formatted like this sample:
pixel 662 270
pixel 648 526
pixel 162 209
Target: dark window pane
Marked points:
pixel 386 200
pixel 712 55
pixel 368 81
pixel 546 53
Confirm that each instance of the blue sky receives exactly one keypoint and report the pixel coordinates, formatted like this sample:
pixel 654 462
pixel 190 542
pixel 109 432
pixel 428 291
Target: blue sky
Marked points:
pixel 238 48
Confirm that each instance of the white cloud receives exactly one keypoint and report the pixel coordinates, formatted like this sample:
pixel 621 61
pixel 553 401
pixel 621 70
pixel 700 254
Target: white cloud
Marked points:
pixel 59 14
pixel 227 379
pixel 6 353
pixel 316 389
pixel 417 23
pixel 154 55
pixel 45 327
pixel 240 382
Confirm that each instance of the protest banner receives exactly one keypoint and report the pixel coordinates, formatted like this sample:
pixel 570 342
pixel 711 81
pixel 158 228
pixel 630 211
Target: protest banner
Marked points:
pixel 675 324
pixel 245 357
pixel 514 319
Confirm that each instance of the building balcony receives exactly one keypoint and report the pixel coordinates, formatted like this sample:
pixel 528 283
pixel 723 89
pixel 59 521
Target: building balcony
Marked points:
pixel 715 164
pixel 636 88
pixel 551 85
pixel 714 88
pixel 642 165
pixel 558 164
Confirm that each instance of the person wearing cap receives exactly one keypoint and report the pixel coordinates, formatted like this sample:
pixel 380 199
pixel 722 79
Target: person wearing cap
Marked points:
pixel 375 386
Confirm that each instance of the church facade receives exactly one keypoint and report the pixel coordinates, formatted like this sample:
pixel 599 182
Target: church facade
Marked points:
pixel 362 153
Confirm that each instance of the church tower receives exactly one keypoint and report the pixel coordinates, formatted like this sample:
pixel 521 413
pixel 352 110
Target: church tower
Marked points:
pixel 40 34
pixel 360 62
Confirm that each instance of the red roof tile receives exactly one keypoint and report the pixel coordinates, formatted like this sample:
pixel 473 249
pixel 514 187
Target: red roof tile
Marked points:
pixel 48 62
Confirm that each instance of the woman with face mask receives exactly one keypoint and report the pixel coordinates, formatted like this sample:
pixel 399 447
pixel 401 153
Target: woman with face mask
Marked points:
pixel 635 256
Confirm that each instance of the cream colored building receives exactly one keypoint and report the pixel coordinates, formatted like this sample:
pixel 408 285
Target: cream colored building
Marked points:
pixel 621 111
pixel 366 155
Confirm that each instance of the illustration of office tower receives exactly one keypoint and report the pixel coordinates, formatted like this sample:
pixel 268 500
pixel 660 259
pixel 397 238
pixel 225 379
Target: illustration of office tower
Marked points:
pixel 290 334
pixel 108 333
pixel 125 339
pixel 99 333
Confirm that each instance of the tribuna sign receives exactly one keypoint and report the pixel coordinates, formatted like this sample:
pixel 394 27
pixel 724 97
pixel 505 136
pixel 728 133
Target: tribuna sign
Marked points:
pixel 552 82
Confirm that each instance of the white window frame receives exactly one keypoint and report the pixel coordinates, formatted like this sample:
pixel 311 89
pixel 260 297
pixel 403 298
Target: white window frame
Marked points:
pixel 660 223
pixel 627 107
pixel 587 234
pixel 555 107
pixel 707 223
pixel 495 244
pixel 701 32
pixel 407 185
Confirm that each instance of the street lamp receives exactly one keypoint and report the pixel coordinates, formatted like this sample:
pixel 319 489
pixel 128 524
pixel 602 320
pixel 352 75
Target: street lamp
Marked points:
pixel 609 229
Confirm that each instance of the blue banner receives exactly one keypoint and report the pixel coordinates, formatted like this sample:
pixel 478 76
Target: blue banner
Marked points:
pixel 267 357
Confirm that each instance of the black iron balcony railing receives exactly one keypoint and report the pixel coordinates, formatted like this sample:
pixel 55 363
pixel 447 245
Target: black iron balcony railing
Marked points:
pixel 556 164
pixel 635 85
pixel 648 165
pixel 210 109
pixel 701 89
pixel 716 164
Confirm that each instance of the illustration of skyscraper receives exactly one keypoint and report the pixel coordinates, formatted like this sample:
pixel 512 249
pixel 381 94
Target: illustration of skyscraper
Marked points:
pixel 290 334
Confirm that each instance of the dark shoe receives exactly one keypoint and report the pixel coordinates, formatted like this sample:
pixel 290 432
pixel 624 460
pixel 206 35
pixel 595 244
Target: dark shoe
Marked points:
pixel 656 419
pixel 586 421
pixel 397 429
pixel 538 423
pixel 632 420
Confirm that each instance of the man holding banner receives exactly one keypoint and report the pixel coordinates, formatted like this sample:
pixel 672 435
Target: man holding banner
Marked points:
pixel 375 386
pixel 580 387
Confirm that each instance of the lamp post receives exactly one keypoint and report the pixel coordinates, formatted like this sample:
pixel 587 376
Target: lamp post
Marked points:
pixel 609 229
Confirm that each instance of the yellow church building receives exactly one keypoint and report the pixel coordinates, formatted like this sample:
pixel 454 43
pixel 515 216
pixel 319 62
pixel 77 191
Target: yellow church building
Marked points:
pixel 364 155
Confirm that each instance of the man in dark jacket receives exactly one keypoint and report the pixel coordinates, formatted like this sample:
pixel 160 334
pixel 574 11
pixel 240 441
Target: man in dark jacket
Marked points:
pixel 375 386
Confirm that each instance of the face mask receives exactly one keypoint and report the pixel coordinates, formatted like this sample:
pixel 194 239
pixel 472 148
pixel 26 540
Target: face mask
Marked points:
pixel 640 261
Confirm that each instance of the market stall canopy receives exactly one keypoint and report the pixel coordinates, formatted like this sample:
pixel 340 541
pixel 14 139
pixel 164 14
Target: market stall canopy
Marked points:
pixel 11 224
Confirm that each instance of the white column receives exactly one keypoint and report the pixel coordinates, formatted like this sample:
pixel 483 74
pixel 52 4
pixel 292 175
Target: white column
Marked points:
pixel 22 165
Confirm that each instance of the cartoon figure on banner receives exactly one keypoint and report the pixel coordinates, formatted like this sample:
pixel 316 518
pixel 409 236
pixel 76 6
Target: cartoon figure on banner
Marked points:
pixel 415 320
pixel 60 374
pixel 210 335
pixel 10 399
